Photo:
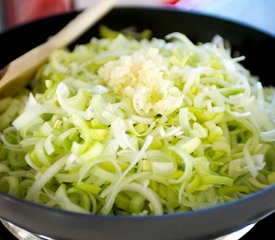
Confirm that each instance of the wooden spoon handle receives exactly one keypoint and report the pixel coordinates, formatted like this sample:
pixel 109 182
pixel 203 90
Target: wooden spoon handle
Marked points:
pixel 81 23
pixel 17 74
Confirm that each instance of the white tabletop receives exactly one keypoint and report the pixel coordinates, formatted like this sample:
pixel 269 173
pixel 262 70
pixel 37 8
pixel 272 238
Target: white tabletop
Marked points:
pixel 256 13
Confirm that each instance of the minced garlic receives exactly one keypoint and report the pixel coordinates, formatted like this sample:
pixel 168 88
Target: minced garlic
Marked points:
pixel 139 78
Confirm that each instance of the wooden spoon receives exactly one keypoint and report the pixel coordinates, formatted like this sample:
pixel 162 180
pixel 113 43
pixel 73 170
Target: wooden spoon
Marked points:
pixel 17 73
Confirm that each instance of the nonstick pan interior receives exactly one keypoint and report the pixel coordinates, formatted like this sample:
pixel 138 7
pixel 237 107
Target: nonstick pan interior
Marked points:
pixel 203 224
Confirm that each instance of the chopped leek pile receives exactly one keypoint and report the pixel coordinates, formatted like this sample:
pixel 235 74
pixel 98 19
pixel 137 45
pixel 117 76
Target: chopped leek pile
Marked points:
pixel 133 127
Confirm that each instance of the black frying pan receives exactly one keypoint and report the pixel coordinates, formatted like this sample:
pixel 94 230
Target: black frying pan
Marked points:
pixel 208 223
